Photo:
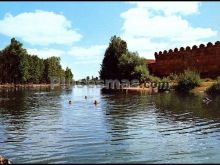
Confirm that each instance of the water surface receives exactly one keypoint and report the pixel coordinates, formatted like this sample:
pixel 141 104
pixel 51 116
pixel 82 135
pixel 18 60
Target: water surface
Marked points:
pixel 39 126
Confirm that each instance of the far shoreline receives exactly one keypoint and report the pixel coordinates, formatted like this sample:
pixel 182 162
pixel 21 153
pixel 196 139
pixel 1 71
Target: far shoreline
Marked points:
pixel 7 85
pixel 141 88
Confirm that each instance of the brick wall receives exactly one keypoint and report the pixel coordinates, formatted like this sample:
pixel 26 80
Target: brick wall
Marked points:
pixel 205 59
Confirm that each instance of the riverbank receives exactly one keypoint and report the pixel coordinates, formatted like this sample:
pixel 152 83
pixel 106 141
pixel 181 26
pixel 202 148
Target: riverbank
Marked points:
pixel 204 85
pixel 140 89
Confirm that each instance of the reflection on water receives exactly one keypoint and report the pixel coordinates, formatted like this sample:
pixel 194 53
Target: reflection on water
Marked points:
pixel 39 126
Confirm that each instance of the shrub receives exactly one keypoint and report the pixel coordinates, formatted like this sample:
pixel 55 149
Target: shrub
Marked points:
pixel 153 79
pixel 173 77
pixel 188 80
pixel 164 84
pixel 215 88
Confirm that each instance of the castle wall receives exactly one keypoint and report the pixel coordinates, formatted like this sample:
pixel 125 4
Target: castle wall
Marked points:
pixel 204 59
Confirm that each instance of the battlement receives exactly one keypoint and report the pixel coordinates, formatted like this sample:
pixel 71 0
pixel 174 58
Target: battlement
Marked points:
pixel 203 58
pixel 188 50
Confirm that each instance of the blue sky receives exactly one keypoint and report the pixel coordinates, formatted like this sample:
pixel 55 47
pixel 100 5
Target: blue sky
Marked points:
pixel 79 32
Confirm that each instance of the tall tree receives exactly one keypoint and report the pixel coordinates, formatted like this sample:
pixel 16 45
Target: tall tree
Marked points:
pixel 35 70
pixel 119 63
pixel 68 75
pixel 109 66
pixel 15 63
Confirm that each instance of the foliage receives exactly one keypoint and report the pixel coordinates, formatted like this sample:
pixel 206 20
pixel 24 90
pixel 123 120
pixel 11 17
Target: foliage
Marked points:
pixel 131 66
pixel 17 66
pixel 153 79
pixel 188 80
pixel 68 75
pixel 215 88
pixel 165 79
pixel 109 66
pixel 173 77
pixel 119 63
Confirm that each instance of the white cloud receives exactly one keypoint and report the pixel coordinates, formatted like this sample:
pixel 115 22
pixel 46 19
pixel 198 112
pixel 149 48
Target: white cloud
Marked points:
pixel 87 60
pixel 46 52
pixel 94 52
pixel 168 8
pixel 156 26
pixel 39 28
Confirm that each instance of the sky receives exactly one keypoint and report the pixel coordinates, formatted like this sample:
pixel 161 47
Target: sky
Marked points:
pixel 79 32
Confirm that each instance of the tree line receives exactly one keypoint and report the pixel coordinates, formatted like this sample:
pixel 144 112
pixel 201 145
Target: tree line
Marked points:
pixel 19 67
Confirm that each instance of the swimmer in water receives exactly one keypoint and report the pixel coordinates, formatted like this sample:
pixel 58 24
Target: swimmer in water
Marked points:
pixel 70 102
pixel 95 102
pixel 85 97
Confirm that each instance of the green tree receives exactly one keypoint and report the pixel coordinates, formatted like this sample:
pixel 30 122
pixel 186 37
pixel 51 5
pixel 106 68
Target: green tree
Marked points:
pixel 109 66
pixel 119 63
pixel 131 66
pixel 52 69
pixel 87 78
pixel 15 63
pixel 24 68
pixel 68 75
pixel 17 66
pixel 36 69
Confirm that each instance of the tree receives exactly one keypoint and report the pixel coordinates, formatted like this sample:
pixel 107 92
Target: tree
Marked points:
pixel 15 63
pixel 68 75
pixel 52 69
pixel 109 66
pixel 24 68
pixel 17 66
pixel 87 78
pixel 131 66
pixel 119 63
pixel 36 69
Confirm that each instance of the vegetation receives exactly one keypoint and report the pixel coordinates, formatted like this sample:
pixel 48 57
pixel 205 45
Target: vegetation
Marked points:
pixel 68 75
pixel 173 77
pixel 188 80
pixel 215 88
pixel 109 66
pixel 154 79
pixel 119 63
pixel 18 67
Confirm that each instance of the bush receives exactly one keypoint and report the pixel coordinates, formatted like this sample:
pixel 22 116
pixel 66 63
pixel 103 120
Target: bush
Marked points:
pixel 188 80
pixel 165 79
pixel 207 80
pixel 173 77
pixel 153 79
pixel 215 88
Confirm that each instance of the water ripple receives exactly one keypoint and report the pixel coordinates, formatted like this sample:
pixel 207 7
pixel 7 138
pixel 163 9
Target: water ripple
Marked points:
pixel 41 127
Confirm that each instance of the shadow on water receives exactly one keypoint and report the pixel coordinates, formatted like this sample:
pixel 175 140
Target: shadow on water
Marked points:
pixel 13 108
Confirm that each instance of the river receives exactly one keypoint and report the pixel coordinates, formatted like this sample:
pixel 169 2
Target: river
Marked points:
pixel 40 126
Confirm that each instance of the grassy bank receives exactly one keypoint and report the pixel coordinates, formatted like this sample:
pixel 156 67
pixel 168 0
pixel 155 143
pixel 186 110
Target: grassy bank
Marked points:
pixel 203 87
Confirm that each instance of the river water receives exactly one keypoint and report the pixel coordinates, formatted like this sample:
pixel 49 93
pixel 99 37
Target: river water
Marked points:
pixel 40 126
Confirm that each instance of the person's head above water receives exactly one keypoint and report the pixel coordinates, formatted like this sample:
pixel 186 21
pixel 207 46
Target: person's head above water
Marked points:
pixel 95 102
pixel 70 102
pixel 85 97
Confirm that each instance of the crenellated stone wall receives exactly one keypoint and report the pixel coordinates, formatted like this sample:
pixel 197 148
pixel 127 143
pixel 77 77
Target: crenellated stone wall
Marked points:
pixel 205 59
